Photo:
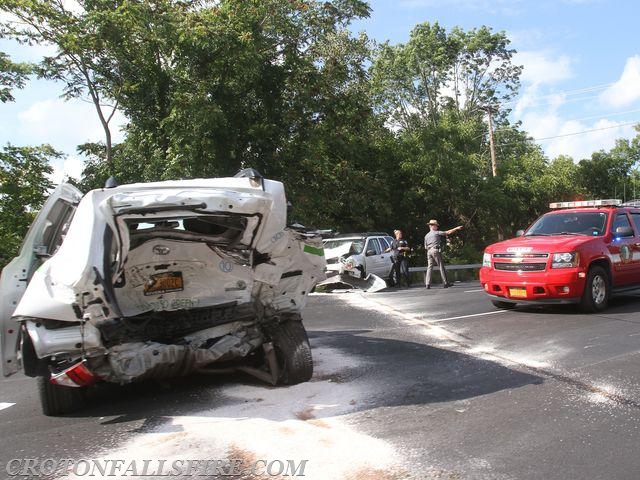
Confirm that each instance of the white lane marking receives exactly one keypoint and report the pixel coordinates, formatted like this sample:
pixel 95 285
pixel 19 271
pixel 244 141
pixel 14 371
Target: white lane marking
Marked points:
pixel 473 291
pixel 438 320
pixel 6 405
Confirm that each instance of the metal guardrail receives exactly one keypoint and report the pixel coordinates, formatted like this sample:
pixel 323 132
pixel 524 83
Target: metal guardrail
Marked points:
pixel 449 267
pixel 455 273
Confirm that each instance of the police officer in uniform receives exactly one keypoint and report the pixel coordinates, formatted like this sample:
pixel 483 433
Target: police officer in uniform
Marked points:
pixel 400 248
pixel 434 242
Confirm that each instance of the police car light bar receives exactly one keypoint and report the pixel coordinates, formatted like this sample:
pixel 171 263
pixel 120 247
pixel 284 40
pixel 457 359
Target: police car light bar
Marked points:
pixel 587 203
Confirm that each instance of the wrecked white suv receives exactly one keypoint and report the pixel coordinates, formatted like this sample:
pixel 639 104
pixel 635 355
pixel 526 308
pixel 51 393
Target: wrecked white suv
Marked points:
pixel 157 280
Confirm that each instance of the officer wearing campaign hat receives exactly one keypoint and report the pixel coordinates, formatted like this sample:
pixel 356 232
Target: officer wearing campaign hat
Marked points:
pixel 434 242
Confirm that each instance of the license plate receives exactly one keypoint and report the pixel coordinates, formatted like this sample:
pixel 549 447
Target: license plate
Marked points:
pixel 518 292
pixel 164 283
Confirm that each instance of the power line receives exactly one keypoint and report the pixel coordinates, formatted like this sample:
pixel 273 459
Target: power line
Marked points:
pixel 574 133
pixel 567 93
pixel 588 131
pixel 605 115
pixel 564 101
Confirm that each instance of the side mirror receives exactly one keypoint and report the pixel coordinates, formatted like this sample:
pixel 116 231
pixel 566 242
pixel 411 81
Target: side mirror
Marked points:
pixel 370 253
pixel 623 232
pixel 519 233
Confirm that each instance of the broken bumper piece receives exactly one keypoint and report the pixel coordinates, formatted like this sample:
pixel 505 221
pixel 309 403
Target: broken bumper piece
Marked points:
pixel 371 283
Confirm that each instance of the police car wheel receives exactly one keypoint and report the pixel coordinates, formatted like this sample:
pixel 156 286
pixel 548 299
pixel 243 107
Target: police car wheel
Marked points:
pixel 596 290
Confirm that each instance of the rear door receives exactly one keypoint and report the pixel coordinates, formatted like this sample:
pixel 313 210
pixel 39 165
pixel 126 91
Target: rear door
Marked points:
pixel 635 219
pixel 387 257
pixel 624 251
pixel 43 238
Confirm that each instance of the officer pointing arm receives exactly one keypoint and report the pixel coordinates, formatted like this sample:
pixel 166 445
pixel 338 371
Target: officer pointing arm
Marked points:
pixel 434 242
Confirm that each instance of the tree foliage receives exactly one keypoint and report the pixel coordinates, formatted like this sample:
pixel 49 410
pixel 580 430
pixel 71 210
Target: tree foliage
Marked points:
pixel 12 75
pixel 365 137
pixel 24 185
pixel 80 61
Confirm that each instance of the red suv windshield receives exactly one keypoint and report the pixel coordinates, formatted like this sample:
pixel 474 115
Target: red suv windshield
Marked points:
pixel 569 223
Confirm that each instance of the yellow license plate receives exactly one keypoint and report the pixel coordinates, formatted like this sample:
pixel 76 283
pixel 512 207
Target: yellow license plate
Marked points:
pixel 518 292
pixel 164 283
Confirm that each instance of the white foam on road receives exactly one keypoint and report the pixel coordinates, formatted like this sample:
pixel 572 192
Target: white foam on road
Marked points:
pixel 308 421
pixel 432 329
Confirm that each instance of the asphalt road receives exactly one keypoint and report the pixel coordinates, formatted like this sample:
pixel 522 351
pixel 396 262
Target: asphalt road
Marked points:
pixel 408 383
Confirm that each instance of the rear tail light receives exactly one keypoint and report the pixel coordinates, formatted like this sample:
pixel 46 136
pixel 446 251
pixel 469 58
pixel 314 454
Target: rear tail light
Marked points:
pixel 77 375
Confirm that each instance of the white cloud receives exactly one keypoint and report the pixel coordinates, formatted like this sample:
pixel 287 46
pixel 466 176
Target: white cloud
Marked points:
pixel 540 68
pixel 532 98
pixel 73 6
pixel 65 125
pixel 626 90
pixel 574 138
pixel 526 38
pixel 64 169
pixel 509 7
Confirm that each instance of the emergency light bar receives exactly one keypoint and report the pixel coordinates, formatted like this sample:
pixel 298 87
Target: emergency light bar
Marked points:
pixel 611 202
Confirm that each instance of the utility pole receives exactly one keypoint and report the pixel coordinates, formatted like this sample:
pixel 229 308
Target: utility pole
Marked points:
pixel 491 144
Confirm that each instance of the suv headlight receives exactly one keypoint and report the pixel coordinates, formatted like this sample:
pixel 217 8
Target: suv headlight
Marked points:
pixel 486 260
pixel 565 260
pixel 350 264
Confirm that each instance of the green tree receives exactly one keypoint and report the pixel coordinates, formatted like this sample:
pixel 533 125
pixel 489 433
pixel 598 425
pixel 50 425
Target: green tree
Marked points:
pixel 80 61
pixel 278 86
pixel 24 184
pixel 12 75
pixel 416 82
pixel 433 91
pixel 608 174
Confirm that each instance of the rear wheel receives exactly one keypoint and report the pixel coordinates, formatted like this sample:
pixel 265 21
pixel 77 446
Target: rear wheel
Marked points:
pixel 293 352
pixel 390 279
pixel 596 290
pixel 503 305
pixel 58 400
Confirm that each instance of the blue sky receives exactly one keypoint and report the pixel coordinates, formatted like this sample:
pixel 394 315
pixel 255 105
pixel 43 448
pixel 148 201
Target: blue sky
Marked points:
pixel 580 85
pixel 581 79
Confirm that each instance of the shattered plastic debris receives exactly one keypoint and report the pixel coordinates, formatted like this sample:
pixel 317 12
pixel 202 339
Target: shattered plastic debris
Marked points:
pixel 371 283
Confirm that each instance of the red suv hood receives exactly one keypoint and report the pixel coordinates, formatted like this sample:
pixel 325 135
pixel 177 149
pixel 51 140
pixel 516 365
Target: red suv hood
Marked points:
pixel 534 244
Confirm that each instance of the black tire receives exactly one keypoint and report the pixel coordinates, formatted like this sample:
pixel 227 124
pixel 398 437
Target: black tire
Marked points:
pixel 503 305
pixel 362 272
pixel 390 280
pixel 59 400
pixel 597 290
pixel 293 352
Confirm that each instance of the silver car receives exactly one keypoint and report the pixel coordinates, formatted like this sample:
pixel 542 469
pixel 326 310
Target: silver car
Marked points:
pixel 157 280
pixel 359 254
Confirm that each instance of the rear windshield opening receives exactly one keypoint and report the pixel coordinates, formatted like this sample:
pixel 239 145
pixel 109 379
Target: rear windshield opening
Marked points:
pixel 215 229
